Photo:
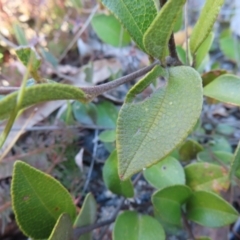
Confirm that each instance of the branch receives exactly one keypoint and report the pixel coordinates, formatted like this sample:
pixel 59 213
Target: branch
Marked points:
pixel 85 229
pixel 100 89
pixel 82 230
pixel 187 226
pixel 171 42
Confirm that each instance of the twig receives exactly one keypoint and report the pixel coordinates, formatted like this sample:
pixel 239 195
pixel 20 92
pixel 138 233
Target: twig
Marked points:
pixel 187 226
pixel 76 37
pixel 172 47
pixel 56 128
pixel 80 231
pixel 171 42
pixel 5 206
pixel 92 162
pixel 8 90
pixel 100 89
pixel 7 42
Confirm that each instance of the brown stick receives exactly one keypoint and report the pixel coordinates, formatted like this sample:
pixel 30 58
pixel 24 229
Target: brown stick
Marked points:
pixel 100 89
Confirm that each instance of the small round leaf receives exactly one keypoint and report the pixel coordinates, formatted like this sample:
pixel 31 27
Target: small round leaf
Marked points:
pixel 131 225
pixel 166 173
pixel 168 201
pixel 207 176
pixel 210 210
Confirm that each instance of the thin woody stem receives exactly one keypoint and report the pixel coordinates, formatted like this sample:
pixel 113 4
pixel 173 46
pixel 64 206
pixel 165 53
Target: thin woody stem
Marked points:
pixel 171 42
pixel 100 89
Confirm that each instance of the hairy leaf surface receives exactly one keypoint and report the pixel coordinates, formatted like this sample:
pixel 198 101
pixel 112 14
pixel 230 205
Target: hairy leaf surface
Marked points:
pixel 38 201
pixel 205 23
pixel 40 93
pixel 135 15
pixel 157 36
pixel 150 130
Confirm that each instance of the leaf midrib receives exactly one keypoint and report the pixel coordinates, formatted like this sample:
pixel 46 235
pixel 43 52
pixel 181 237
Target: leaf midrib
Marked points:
pixel 50 213
pixel 132 18
pixel 149 128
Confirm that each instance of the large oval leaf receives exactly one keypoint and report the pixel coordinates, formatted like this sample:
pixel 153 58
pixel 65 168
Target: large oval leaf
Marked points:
pixel 38 201
pixel 150 130
pixel 167 203
pixel 210 210
pixel 131 225
pixel 166 173
pixel 135 15
pixel 40 93
pixel 225 89
pixel 157 36
pixel 207 176
pixel 205 23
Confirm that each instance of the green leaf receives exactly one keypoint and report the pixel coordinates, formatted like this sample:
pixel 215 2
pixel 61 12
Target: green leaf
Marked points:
pixel 49 57
pixel 220 144
pixel 110 31
pixel 206 176
pixel 210 76
pixel 131 225
pixel 179 22
pixel 230 47
pixel 62 229
pixel 235 166
pixel 167 203
pixel 210 210
pixel 148 131
pixel 107 114
pixel 135 15
pixel 112 180
pixel 20 35
pixel 87 215
pixel 181 54
pixel 38 200
pixel 205 23
pixel 107 136
pixel 144 83
pixel 40 93
pixel 203 50
pixel 216 157
pixel 225 129
pixel 85 113
pixel 28 55
pixel 166 173
pixel 156 37
pixel 189 150
pixel 225 89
